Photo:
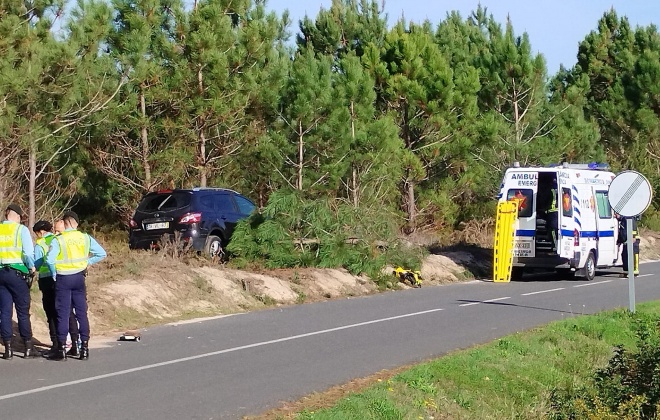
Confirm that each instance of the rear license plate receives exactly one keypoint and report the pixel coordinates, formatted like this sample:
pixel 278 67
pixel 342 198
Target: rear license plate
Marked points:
pixel 154 226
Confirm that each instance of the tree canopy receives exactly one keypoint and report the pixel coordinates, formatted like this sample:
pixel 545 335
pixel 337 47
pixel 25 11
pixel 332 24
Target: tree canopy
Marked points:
pixel 349 120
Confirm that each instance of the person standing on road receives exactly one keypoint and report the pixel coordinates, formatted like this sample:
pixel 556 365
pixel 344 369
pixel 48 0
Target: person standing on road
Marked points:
pixel 43 230
pixel 623 239
pixel 16 269
pixel 67 259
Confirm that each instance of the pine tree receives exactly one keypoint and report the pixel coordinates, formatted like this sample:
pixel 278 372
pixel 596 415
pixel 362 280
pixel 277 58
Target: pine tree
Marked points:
pixel 145 46
pixel 372 165
pixel 48 92
pixel 618 70
pixel 414 81
pixel 348 26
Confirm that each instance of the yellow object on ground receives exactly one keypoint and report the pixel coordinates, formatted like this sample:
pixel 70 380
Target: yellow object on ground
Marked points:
pixel 507 214
pixel 412 277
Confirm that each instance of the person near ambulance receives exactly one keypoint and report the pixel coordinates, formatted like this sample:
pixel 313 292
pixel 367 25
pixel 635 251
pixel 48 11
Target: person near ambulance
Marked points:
pixel 553 215
pixel 69 255
pixel 16 271
pixel 623 240
pixel 44 232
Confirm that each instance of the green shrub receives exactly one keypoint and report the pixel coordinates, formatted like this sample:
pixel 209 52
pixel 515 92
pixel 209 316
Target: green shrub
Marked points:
pixel 294 231
pixel 627 388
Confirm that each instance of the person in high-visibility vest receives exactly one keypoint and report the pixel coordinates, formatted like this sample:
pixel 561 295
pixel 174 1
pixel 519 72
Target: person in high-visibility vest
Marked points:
pixel 68 257
pixel 553 216
pixel 44 232
pixel 16 271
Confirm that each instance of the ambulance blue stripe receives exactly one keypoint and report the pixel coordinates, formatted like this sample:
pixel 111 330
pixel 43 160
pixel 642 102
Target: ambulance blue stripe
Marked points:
pixel 589 233
pixel 575 199
pixel 577 221
pixel 577 210
pixel 575 189
pixel 525 232
pixel 595 234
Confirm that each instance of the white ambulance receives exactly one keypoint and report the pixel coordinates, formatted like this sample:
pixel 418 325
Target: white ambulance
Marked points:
pixel 565 221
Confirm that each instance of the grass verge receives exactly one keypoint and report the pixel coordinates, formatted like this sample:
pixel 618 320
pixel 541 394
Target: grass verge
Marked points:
pixel 512 377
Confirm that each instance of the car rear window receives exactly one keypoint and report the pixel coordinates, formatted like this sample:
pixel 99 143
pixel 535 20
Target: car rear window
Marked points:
pixel 164 202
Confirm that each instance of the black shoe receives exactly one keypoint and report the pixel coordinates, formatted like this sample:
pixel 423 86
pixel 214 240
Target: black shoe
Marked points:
pixel 60 353
pixel 29 349
pixel 84 350
pixel 9 353
pixel 73 351
pixel 50 352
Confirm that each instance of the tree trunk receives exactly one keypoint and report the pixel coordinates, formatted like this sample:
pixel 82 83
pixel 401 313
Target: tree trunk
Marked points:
pixel 32 184
pixel 355 188
pixel 411 209
pixel 409 183
pixel 144 137
pixel 201 137
pixel 516 119
pixel 301 156
pixel 203 175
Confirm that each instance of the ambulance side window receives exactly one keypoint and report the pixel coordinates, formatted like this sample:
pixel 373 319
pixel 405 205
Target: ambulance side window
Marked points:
pixel 526 198
pixel 566 203
pixel 603 204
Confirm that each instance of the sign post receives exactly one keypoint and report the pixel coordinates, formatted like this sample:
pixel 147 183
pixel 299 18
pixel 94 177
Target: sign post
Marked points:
pixel 630 195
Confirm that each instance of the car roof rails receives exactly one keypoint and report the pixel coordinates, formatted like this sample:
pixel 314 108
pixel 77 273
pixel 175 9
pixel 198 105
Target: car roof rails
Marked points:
pixel 213 189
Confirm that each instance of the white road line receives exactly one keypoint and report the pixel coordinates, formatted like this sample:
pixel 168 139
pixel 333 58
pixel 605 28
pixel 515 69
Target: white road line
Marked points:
pixel 498 299
pixel 470 304
pixel 214 353
pixel 542 291
pixel 592 284
pixel 646 275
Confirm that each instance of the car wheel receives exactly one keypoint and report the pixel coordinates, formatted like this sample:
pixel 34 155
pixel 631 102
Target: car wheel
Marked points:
pixel 214 248
pixel 590 267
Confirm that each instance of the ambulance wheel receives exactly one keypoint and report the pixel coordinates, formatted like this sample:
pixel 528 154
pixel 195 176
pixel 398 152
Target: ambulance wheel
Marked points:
pixel 590 267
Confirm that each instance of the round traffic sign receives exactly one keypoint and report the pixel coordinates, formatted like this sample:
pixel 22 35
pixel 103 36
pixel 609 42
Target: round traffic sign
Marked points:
pixel 630 194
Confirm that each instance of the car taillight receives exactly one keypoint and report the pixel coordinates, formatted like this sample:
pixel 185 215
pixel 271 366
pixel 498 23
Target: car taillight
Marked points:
pixel 576 238
pixel 132 223
pixel 191 218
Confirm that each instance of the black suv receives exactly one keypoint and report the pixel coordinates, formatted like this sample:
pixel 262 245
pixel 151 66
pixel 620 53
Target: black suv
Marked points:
pixel 204 216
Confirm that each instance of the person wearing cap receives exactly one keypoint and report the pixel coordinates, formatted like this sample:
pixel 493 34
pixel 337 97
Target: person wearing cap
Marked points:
pixel 16 264
pixel 43 230
pixel 68 257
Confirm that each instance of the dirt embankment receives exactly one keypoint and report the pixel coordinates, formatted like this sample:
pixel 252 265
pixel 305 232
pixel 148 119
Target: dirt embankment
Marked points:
pixel 132 290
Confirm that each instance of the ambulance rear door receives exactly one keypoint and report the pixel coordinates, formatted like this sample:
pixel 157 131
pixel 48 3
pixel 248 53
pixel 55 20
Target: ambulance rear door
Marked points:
pixel 522 184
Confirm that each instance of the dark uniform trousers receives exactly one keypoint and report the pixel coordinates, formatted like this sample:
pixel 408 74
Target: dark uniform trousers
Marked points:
pixel 624 255
pixel 47 287
pixel 70 290
pixel 14 291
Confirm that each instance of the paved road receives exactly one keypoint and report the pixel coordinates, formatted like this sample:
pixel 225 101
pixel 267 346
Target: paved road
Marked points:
pixel 244 364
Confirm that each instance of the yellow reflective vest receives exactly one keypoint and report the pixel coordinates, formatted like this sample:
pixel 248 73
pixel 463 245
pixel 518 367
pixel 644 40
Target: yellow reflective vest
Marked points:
pixel 44 243
pixel 11 247
pixel 74 252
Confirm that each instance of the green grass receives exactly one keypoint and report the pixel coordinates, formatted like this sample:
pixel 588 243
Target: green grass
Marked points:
pixel 510 378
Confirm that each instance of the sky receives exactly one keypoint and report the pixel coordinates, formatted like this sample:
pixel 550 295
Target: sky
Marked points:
pixel 555 27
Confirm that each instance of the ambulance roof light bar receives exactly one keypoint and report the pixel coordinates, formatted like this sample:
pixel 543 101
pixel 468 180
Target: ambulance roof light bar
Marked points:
pixel 592 165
